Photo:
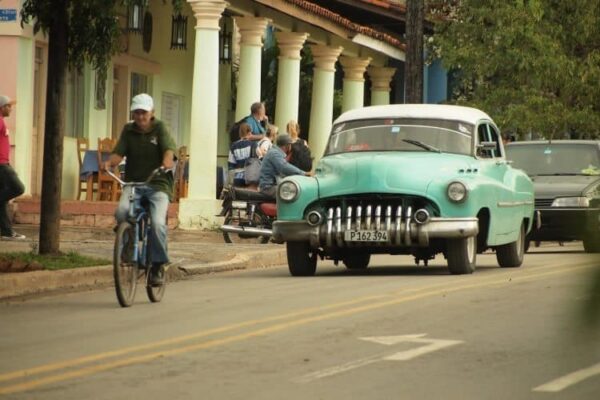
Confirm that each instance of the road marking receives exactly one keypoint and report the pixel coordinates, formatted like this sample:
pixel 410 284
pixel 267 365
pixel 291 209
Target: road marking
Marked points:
pixel 23 373
pixel 430 346
pixel 338 369
pixel 568 380
pixel 420 293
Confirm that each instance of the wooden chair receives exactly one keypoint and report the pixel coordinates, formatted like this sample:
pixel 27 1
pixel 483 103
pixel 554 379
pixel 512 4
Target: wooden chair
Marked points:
pixel 107 186
pixel 181 183
pixel 85 185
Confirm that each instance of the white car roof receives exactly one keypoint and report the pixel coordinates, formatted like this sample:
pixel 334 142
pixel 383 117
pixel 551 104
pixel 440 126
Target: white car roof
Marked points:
pixel 425 111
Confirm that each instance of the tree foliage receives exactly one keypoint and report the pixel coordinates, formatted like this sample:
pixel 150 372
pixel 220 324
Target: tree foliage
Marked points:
pixel 533 65
pixel 92 31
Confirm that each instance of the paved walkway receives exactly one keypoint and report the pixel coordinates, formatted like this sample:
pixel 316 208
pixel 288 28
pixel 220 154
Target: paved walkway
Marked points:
pixel 191 252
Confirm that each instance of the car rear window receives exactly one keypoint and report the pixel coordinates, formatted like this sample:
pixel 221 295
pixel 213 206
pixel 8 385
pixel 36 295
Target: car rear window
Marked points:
pixel 390 134
pixel 555 158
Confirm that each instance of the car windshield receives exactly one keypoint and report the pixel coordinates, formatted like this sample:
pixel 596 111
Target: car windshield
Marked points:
pixel 555 159
pixel 401 135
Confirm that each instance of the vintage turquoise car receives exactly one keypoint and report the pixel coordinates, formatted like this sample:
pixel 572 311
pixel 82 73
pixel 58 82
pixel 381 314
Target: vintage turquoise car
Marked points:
pixel 407 179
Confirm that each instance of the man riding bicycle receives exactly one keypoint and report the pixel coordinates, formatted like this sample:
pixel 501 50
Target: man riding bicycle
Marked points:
pixel 146 144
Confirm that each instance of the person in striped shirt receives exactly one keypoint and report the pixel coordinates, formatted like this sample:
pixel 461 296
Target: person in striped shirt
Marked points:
pixel 239 152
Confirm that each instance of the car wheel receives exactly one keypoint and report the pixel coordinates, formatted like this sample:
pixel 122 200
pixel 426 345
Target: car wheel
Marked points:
pixel 461 255
pixel 357 261
pixel 302 260
pixel 510 255
pixel 591 243
pixel 527 244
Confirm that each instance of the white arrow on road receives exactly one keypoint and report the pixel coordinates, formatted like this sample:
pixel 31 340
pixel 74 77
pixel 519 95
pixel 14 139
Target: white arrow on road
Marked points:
pixel 430 345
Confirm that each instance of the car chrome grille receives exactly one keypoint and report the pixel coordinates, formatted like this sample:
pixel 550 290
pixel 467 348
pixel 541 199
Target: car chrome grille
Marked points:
pixel 543 202
pixel 391 214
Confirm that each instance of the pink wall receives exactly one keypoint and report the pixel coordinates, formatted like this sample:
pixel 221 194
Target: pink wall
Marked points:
pixel 8 76
pixel 8 81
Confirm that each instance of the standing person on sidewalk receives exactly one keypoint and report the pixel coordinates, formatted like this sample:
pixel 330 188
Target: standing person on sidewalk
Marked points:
pixel 147 145
pixel 10 184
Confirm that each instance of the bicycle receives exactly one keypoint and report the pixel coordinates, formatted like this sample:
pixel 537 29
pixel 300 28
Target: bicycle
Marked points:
pixel 131 258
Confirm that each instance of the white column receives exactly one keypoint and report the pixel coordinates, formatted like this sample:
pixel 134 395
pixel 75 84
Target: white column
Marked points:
pixel 321 108
pixel 199 208
pixel 252 30
pixel 354 82
pixel 288 77
pixel 380 84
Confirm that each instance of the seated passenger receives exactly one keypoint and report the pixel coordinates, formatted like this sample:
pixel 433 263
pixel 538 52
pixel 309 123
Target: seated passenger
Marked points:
pixel 265 144
pixel 274 165
pixel 239 152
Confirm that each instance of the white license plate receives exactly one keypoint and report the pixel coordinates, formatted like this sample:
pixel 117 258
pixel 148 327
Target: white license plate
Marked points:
pixel 365 236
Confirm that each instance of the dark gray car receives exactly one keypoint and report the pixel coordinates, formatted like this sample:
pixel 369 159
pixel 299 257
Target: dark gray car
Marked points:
pixel 566 180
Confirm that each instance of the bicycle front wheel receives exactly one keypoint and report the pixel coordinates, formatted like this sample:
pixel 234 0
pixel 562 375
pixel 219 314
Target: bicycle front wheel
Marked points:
pixel 155 293
pixel 125 266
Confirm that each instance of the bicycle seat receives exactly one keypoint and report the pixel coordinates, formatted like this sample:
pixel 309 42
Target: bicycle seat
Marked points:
pixel 250 195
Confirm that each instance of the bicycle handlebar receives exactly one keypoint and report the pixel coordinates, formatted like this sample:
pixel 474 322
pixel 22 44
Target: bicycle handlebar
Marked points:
pixel 123 183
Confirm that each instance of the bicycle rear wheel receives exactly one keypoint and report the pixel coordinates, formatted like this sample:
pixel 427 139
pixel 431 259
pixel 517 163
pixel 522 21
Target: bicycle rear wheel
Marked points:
pixel 125 267
pixel 155 293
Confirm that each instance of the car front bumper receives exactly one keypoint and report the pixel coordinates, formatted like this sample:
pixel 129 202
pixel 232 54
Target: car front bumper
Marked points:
pixel 560 224
pixel 400 234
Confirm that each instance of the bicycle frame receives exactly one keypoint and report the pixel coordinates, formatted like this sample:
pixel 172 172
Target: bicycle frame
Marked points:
pixel 138 217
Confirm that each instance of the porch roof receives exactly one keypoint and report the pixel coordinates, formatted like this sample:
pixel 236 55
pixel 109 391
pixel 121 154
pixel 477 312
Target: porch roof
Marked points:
pixel 347 23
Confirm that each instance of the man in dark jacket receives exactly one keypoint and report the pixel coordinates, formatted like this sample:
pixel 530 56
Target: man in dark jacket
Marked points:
pixel 274 165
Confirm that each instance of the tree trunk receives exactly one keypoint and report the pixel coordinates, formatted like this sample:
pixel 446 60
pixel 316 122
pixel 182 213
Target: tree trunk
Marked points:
pixel 54 132
pixel 413 71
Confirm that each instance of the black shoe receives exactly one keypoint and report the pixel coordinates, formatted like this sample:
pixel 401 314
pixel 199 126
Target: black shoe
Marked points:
pixel 157 275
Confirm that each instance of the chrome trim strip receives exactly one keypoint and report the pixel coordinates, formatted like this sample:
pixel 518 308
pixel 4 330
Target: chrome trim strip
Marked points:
pixel 397 231
pixel 407 240
pixel 358 218
pixel 378 217
pixel 328 237
pixel 514 203
pixel 388 222
pixel 368 217
pixel 338 226
pixel 349 218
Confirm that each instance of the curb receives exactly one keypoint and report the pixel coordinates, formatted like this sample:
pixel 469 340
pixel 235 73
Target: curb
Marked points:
pixel 42 282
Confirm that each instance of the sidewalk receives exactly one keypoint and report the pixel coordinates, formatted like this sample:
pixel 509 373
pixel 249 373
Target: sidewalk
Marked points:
pixel 191 253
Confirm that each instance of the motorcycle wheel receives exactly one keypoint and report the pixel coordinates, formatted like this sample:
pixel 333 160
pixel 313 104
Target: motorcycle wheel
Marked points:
pixel 258 222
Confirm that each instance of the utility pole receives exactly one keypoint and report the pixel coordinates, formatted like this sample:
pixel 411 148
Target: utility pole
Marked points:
pixel 413 71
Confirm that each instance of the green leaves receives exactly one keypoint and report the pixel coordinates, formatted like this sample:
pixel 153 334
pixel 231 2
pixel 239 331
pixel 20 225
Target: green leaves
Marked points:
pixel 92 28
pixel 534 65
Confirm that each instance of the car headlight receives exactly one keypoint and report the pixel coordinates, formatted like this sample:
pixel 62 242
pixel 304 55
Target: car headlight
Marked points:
pixel 288 191
pixel 457 192
pixel 571 202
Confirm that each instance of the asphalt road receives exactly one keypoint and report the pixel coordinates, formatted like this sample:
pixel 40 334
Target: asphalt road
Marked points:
pixel 395 331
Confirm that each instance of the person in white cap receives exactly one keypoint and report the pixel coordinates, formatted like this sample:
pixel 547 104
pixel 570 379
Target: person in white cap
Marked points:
pixel 10 184
pixel 147 145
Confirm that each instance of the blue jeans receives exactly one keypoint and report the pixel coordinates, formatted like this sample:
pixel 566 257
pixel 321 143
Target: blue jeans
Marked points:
pixel 159 205
pixel 10 187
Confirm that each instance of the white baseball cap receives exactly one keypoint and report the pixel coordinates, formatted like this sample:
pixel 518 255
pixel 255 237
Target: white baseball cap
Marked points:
pixel 4 100
pixel 142 101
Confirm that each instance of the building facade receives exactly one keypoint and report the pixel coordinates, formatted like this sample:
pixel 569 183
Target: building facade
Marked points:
pixel 204 79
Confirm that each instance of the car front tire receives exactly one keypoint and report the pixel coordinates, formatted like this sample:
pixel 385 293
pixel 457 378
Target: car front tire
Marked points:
pixel 510 255
pixel 302 260
pixel 591 243
pixel 461 255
